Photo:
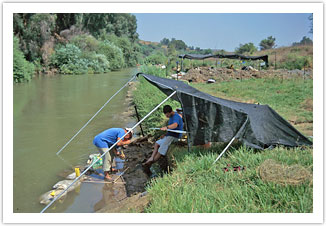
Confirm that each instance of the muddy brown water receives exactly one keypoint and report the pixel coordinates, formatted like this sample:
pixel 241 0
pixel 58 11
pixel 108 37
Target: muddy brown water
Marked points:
pixel 48 111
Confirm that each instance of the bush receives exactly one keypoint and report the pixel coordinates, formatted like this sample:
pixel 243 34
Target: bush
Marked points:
pixel 85 42
pixel 295 61
pixel 71 60
pixel 157 58
pixel 22 69
pixel 113 54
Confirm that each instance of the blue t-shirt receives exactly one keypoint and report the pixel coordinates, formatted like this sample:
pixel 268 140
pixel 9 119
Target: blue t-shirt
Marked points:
pixel 109 136
pixel 175 119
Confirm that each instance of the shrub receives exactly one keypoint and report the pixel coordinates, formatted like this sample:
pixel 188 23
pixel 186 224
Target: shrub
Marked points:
pixel 22 69
pixel 113 54
pixel 295 61
pixel 98 63
pixel 157 58
pixel 85 42
pixel 70 59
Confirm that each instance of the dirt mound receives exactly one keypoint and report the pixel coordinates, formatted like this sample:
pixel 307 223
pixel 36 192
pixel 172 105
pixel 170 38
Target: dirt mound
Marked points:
pixel 272 171
pixel 136 152
pixel 203 74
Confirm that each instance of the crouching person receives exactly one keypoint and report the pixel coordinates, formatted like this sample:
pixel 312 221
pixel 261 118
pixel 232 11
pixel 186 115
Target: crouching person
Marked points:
pixel 105 140
pixel 161 146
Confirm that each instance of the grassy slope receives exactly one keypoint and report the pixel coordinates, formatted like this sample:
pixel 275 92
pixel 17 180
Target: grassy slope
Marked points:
pixel 291 98
pixel 195 185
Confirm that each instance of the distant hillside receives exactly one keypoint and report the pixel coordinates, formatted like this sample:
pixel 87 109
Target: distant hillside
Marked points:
pixel 148 42
pixel 284 54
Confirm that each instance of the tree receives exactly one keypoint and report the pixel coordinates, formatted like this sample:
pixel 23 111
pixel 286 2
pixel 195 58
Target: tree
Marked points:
pixel 304 41
pixel 268 43
pixel 165 41
pixel 246 48
pixel 311 18
pixel 111 23
pixel 207 51
pixel 34 30
pixel 22 69
pixel 178 44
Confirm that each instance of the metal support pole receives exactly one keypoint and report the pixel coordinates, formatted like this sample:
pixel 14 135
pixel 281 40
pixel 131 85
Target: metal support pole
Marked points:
pixel 226 148
pixel 236 136
pixel 95 115
pixel 141 128
pixel 57 197
pixel 185 118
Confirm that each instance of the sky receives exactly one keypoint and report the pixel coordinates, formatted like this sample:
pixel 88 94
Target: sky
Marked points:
pixel 223 30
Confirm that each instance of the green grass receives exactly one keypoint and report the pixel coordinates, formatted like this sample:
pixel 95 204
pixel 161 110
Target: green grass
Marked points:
pixel 198 186
pixel 195 185
pixel 286 96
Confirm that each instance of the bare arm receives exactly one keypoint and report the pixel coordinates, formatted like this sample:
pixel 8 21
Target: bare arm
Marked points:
pixel 122 142
pixel 172 126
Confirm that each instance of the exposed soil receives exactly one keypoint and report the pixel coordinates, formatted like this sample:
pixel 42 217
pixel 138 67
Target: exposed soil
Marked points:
pixel 203 74
pixel 130 195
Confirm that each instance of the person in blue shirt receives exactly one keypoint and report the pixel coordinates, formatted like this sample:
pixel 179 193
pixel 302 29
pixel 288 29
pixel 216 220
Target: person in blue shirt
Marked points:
pixel 105 140
pixel 161 146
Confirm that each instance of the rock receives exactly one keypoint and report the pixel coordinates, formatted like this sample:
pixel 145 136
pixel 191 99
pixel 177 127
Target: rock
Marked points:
pixel 47 197
pixel 64 184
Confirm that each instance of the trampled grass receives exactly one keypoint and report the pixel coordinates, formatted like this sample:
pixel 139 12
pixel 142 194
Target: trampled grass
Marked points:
pixel 198 186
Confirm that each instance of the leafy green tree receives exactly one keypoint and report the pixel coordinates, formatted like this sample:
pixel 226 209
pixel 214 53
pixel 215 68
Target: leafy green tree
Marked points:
pixel 112 23
pixel 34 30
pixel 85 42
pixel 165 41
pixel 22 69
pixel 178 44
pixel 268 43
pixel 207 51
pixel 127 47
pixel 157 58
pixel 113 53
pixel 304 41
pixel 246 48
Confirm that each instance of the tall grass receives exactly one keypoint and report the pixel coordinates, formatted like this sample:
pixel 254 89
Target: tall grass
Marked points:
pixel 198 186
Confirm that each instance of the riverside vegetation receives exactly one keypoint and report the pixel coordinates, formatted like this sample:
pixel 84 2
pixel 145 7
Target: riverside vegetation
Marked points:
pixel 89 43
pixel 195 185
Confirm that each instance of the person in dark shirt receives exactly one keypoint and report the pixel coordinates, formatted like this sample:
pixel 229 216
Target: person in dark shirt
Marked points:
pixel 161 146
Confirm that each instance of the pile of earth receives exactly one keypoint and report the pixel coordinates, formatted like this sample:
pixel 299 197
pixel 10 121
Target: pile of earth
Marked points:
pixel 203 74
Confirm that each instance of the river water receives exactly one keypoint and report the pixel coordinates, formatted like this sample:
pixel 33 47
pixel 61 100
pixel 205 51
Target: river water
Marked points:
pixel 48 111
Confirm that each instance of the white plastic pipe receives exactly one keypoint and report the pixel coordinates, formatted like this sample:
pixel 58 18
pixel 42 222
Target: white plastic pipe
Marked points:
pixel 94 116
pixel 57 197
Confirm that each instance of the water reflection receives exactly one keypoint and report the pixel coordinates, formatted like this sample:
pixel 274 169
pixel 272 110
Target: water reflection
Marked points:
pixel 48 111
